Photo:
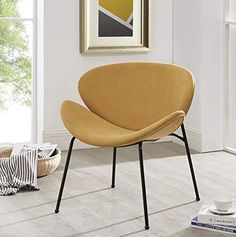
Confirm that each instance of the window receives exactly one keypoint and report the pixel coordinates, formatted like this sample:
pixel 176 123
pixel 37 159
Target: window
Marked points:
pixel 16 70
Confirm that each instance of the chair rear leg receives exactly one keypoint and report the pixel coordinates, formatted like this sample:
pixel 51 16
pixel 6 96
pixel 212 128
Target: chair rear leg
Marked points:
pixel 190 163
pixel 114 168
pixel 64 175
pixel 143 186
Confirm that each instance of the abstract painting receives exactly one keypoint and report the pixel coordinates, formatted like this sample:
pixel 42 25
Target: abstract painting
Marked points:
pixel 115 18
pixel 114 26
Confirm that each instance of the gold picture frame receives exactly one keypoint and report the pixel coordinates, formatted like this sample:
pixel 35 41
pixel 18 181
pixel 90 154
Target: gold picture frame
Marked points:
pixel 91 42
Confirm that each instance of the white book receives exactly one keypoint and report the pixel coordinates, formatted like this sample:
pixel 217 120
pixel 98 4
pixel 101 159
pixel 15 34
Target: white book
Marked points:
pixel 218 228
pixel 207 217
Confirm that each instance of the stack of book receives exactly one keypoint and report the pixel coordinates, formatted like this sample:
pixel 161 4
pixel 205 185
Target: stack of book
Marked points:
pixel 209 218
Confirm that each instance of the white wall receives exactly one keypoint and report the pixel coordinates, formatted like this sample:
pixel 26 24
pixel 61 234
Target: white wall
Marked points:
pixel 212 79
pixel 64 64
pixel 194 41
pixel 230 142
pixel 187 49
pixel 199 45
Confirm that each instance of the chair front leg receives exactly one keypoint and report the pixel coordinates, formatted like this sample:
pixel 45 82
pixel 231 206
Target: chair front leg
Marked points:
pixel 143 186
pixel 64 175
pixel 114 168
pixel 190 162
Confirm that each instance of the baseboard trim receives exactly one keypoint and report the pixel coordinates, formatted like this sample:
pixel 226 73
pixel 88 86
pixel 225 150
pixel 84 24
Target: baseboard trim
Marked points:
pixel 62 138
pixel 230 150
pixel 194 139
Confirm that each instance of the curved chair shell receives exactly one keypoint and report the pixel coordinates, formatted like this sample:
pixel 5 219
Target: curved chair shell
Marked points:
pixel 136 95
pixel 128 103
pixel 91 129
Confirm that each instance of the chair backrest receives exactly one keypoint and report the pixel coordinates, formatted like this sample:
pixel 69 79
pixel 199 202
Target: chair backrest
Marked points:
pixel 135 95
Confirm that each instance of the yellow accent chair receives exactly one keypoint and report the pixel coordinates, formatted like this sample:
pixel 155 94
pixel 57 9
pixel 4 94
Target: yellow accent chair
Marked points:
pixel 129 104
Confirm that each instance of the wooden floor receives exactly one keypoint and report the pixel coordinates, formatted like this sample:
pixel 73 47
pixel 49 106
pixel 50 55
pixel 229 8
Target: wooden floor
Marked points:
pixel 91 208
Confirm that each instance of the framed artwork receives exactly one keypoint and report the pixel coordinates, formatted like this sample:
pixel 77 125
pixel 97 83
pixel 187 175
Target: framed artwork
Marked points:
pixel 114 25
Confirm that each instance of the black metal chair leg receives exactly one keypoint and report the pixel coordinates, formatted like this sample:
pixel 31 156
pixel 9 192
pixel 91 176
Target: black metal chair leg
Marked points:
pixel 190 162
pixel 64 174
pixel 143 186
pixel 114 168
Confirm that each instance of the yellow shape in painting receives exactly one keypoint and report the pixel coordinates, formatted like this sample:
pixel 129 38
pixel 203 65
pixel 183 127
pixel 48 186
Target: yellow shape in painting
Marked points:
pixel 120 8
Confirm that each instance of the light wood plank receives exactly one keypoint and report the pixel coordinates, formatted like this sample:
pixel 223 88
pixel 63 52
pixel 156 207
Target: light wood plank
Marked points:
pixel 91 208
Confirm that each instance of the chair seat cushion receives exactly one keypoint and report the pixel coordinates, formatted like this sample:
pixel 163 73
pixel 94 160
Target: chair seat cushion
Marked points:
pixel 94 130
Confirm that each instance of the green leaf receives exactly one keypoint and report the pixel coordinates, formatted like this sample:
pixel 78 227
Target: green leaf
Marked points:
pixel 15 63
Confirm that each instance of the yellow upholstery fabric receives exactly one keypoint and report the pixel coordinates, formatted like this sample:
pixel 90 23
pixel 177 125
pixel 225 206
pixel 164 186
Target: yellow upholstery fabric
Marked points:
pixel 135 95
pixel 129 103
